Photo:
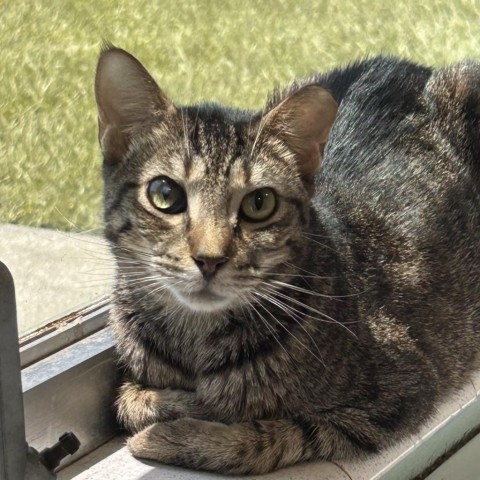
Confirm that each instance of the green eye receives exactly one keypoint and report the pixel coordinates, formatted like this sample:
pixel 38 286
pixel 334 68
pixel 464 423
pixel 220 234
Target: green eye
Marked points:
pixel 167 196
pixel 258 205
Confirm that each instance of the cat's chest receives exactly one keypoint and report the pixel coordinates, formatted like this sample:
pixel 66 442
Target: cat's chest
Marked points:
pixel 200 348
pixel 233 376
pixel 257 388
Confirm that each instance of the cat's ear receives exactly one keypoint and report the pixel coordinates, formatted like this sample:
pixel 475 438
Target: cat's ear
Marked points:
pixel 127 99
pixel 303 121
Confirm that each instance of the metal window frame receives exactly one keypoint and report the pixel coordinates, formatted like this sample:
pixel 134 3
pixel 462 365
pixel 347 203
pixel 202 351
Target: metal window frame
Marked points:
pixel 12 426
pixel 64 331
pixel 72 390
pixel 68 384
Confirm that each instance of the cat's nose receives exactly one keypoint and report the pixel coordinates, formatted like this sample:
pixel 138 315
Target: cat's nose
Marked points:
pixel 209 265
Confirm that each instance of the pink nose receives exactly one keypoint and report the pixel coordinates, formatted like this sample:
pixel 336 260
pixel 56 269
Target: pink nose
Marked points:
pixel 209 266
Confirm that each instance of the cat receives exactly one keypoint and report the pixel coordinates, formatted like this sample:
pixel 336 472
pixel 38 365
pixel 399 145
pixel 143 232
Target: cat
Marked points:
pixel 297 283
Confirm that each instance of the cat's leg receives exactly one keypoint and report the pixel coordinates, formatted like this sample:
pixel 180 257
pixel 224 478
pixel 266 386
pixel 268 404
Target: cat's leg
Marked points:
pixel 138 406
pixel 244 448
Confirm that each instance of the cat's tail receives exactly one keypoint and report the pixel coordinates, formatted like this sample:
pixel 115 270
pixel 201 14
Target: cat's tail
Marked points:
pixel 246 448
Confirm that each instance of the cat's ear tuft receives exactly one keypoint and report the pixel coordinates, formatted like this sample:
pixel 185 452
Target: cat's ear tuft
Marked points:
pixel 303 121
pixel 127 99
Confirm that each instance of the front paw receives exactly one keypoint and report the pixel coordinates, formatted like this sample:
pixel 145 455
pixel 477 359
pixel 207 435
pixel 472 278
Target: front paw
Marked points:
pixel 235 449
pixel 185 442
pixel 155 443
pixel 138 406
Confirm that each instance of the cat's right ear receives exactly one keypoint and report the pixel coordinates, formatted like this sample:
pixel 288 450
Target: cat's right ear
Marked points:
pixel 127 99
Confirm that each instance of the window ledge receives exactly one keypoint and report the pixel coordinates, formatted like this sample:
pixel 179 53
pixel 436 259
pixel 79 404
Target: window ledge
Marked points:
pixel 113 461
pixel 456 418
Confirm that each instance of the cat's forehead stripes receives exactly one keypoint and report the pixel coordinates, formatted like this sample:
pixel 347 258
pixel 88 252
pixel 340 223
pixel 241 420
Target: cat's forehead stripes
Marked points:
pixel 215 148
pixel 215 152
pixel 215 139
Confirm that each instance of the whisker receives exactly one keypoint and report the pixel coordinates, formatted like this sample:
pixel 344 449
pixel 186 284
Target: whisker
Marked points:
pixel 259 131
pixel 148 279
pixel 269 327
pixel 301 269
pixel 310 234
pixel 316 294
pixel 155 290
pixel 275 292
pixel 319 243
pixel 297 319
pixel 77 228
pixel 319 277
pixel 185 132
pixel 292 266
pixel 294 336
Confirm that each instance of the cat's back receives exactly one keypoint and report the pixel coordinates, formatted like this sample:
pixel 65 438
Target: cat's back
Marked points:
pixel 401 184
pixel 405 148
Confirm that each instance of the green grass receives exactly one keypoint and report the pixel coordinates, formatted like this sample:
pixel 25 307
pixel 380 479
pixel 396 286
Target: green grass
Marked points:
pixel 232 52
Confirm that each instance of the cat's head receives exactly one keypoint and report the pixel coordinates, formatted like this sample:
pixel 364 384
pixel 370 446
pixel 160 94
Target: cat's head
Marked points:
pixel 204 204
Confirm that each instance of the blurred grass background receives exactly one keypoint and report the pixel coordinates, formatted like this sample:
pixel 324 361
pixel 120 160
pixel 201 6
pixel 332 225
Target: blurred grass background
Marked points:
pixel 231 52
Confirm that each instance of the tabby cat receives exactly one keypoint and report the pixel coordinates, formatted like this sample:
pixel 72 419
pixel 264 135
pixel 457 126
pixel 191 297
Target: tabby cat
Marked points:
pixel 279 298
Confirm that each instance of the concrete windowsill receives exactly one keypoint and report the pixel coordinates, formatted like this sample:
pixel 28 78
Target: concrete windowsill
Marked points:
pixel 409 458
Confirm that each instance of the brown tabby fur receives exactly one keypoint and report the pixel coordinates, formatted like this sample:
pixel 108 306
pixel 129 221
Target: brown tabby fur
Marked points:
pixel 334 327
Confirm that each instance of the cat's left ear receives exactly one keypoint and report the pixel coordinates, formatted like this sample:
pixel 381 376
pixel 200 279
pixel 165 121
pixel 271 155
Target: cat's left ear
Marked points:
pixel 303 121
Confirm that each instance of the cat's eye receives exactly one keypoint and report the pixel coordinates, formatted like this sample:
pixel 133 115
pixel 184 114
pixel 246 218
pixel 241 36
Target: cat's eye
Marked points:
pixel 259 205
pixel 167 196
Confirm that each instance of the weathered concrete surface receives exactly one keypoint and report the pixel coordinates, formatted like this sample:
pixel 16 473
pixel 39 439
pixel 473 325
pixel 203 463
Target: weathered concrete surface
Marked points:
pixel 54 272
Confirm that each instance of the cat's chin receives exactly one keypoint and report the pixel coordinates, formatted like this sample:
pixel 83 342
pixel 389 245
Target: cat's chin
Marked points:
pixel 203 301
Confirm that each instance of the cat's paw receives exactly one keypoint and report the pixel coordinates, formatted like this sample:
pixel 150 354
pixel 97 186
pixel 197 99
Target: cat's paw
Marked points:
pixel 185 442
pixel 138 406
pixel 234 449
pixel 155 443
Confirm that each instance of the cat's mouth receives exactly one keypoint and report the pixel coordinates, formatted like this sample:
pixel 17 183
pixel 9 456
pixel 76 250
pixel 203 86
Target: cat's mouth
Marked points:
pixel 204 300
